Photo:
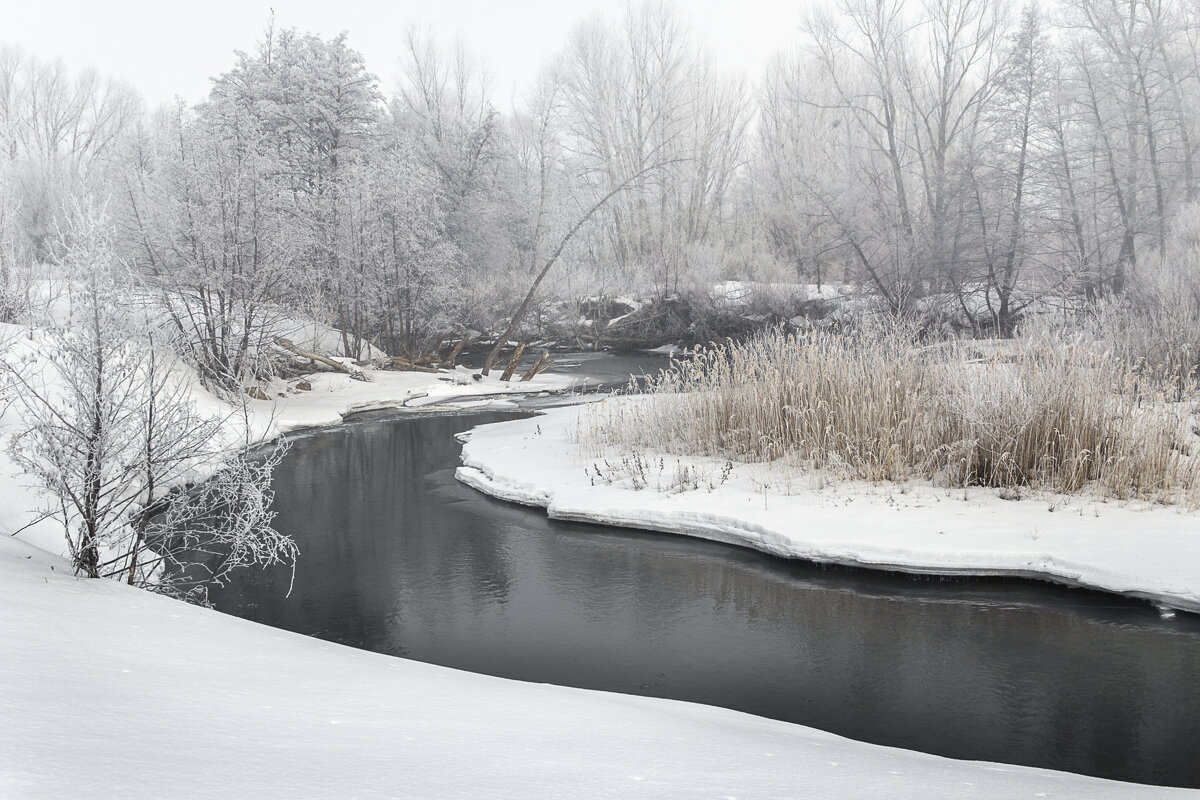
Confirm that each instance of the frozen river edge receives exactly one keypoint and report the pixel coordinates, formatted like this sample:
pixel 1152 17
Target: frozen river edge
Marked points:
pixel 1136 550
pixel 236 708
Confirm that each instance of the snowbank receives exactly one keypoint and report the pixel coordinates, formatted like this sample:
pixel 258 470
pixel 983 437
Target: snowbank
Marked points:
pixel 334 396
pixel 329 398
pixel 1149 552
pixel 108 691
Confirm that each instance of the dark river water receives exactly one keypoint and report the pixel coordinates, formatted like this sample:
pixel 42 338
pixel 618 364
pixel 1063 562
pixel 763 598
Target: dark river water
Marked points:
pixel 398 557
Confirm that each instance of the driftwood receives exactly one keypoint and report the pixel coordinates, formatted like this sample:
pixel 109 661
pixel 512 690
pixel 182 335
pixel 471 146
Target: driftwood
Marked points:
pixel 286 344
pixel 449 360
pixel 512 365
pixel 405 365
pixel 628 342
pixel 542 364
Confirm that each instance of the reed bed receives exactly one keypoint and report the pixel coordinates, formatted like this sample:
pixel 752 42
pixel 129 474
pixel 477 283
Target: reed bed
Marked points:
pixel 877 406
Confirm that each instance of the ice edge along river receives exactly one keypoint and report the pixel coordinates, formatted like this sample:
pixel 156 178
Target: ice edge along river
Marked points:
pixel 107 690
pixel 1133 549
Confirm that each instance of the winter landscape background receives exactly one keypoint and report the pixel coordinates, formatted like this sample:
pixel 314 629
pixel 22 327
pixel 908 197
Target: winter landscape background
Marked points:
pixel 931 270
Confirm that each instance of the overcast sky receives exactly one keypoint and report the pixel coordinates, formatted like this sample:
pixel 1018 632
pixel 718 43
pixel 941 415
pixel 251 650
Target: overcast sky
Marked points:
pixel 169 48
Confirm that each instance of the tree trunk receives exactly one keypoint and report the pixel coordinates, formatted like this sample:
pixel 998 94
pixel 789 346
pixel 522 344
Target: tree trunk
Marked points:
pixel 449 360
pixel 512 365
pixel 542 364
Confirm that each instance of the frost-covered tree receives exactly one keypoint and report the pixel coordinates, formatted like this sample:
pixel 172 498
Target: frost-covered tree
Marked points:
pixel 108 429
pixel 1010 179
pixel 286 195
pixel 15 259
pixel 400 275
pixel 59 132
pixel 82 412
pixel 317 112
pixel 217 240
pixel 443 109
pixel 642 97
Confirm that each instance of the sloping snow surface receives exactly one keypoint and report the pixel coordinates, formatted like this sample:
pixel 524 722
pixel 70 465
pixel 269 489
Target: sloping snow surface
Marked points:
pixel 107 691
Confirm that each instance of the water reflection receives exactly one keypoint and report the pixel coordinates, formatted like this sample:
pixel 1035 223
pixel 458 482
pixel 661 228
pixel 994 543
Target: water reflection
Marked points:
pixel 399 558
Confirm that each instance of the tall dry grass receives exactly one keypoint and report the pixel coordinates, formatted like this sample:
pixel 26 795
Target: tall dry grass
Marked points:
pixel 877 406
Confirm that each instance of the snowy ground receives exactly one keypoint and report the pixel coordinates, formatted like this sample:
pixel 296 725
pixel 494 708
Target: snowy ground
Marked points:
pixel 288 408
pixel 1136 550
pixel 107 691
pixel 335 395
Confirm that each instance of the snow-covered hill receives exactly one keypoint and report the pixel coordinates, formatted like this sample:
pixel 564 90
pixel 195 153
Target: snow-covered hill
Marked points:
pixel 107 691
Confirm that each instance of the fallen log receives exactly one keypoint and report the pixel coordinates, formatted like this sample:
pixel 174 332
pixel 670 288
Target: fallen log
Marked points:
pixel 355 374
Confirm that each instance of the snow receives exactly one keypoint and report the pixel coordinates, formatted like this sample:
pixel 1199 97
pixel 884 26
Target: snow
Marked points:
pixel 742 292
pixel 333 396
pixel 109 691
pixel 1131 549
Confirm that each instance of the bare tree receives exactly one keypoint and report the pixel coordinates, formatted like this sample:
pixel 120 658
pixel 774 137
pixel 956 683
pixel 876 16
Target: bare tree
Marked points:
pixel 443 106
pixel 81 413
pixel 58 133
pixel 643 93
pixel 1009 178
pixel 108 431
pixel 217 241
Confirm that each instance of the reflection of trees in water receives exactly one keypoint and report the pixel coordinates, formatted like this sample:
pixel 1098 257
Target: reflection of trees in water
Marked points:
pixel 902 663
pixel 351 495
pixel 398 557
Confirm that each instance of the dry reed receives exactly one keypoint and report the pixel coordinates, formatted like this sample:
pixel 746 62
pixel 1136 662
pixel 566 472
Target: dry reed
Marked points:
pixel 879 407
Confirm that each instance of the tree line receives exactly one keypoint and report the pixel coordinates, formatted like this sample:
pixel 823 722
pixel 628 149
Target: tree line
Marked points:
pixel 994 157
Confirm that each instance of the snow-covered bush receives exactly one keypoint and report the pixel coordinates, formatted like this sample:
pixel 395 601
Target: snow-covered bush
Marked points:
pixel 107 429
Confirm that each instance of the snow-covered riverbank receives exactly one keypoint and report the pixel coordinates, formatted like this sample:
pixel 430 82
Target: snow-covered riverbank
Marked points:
pixel 309 402
pixel 333 396
pixel 111 691
pixel 108 691
pixel 1151 552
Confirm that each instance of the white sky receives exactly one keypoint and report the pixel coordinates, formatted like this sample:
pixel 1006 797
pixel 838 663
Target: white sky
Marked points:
pixel 171 47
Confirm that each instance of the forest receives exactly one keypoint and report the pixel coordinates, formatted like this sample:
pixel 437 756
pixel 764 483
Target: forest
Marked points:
pixel 967 164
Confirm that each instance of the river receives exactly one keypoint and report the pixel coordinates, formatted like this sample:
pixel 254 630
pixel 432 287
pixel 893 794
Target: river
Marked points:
pixel 400 558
